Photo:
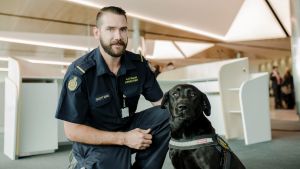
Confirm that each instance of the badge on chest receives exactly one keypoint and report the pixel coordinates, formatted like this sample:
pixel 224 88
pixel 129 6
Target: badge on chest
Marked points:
pixel 125 109
pixel 125 112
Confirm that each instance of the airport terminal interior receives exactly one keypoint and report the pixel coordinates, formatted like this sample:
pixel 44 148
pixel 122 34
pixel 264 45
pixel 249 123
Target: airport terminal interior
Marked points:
pixel 227 49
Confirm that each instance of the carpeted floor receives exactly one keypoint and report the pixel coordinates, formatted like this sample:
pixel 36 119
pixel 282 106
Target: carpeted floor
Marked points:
pixel 281 153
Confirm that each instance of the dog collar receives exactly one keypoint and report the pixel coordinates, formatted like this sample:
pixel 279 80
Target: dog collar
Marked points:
pixel 192 144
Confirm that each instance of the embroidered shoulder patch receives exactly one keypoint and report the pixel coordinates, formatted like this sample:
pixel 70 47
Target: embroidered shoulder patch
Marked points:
pixel 73 83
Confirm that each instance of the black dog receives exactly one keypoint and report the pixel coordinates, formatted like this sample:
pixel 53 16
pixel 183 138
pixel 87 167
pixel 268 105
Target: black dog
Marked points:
pixel 194 143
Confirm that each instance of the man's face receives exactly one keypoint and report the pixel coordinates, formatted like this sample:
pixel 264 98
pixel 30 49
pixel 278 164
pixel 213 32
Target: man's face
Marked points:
pixel 113 34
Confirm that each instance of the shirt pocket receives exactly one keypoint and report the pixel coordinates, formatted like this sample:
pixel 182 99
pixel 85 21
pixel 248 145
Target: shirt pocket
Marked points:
pixel 132 95
pixel 132 91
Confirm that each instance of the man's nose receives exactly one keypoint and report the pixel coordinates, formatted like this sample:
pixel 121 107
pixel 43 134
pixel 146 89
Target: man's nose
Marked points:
pixel 117 34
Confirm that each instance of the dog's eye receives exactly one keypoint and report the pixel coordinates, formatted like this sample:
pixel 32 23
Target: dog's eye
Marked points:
pixel 192 94
pixel 175 94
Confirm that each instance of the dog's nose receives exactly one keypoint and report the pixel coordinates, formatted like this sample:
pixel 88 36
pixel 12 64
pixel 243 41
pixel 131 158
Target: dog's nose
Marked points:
pixel 181 107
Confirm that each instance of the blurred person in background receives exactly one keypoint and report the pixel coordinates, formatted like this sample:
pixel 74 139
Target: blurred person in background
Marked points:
pixel 287 89
pixel 276 81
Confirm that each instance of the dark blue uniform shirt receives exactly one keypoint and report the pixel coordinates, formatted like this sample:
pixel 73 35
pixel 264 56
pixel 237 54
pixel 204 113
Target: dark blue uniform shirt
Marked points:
pixel 92 95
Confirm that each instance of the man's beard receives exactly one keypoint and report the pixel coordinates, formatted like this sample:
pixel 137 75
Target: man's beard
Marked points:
pixel 109 50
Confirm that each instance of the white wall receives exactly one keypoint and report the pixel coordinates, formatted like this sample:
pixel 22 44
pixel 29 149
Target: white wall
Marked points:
pixel 254 66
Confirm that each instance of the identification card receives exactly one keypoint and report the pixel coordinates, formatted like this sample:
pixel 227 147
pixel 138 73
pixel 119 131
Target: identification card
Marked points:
pixel 125 112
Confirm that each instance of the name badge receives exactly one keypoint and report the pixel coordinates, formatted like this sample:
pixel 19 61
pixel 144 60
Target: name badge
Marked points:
pixel 125 112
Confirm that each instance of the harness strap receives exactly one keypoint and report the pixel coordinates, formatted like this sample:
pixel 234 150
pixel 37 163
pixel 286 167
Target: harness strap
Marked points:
pixel 207 140
pixel 222 143
pixel 227 159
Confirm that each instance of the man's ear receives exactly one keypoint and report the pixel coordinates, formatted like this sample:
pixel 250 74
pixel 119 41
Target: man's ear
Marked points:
pixel 165 101
pixel 96 32
pixel 206 105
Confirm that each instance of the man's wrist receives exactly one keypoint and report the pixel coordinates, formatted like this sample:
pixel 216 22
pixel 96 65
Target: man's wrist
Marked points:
pixel 121 138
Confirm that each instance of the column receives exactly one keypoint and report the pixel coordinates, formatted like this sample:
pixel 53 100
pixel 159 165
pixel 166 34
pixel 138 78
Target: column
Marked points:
pixel 295 46
pixel 136 36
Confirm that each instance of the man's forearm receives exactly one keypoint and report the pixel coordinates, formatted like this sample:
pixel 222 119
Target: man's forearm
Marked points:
pixel 88 135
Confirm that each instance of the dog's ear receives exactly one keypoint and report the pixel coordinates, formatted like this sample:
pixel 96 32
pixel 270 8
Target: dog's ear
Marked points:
pixel 165 101
pixel 206 105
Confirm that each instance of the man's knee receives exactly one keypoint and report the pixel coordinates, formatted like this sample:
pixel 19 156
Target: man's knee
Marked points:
pixel 161 115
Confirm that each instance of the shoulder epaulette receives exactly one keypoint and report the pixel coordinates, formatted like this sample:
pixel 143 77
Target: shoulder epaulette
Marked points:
pixel 84 66
pixel 142 58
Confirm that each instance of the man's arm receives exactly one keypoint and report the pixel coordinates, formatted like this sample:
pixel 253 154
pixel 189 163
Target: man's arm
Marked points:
pixel 137 138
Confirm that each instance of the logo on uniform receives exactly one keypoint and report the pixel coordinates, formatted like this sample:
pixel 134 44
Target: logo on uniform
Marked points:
pixel 73 83
pixel 131 79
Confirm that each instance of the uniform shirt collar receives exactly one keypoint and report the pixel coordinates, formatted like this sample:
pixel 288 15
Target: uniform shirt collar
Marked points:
pixel 102 68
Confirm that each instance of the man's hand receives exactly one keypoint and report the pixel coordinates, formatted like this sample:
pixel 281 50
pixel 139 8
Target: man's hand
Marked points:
pixel 138 139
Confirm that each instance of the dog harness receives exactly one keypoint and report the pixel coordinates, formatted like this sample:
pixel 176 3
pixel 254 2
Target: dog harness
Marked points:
pixel 204 141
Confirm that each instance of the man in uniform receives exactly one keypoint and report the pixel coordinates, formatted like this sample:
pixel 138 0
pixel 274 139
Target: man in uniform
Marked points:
pixel 99 99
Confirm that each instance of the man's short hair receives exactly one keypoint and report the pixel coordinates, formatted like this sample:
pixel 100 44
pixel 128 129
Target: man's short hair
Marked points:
pixel 111 9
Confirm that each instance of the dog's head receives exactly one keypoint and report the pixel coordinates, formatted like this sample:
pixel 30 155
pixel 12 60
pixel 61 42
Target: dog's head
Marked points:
pixel 186 104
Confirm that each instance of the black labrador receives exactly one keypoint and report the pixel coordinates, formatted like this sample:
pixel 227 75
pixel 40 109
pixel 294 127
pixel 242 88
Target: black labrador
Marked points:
pixel 194 143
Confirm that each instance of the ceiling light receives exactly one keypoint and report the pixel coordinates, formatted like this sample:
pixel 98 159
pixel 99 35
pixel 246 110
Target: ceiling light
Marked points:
pixel 87 3
pixel 3 69
pixel 3 58
pixel 49 62
pixel 177 26
pixel 40 43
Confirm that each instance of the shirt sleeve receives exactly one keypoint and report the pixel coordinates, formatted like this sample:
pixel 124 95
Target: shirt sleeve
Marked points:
pixel 151 89
pixel 73 101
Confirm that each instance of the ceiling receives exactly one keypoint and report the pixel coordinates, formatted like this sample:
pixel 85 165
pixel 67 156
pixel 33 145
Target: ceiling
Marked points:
pixel 259 29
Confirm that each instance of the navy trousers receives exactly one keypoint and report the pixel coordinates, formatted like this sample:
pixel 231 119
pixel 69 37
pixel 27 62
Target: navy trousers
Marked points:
pixel 119 157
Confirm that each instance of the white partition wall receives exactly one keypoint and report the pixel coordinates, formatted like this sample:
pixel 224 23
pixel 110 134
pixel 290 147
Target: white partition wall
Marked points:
pixel 31 96
pixel 11 119
pixel 227 84
pixel 3 75
pixel 254 97
pixel 1 106
pixel 37 125
pixel 11 106
pixel 231 76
